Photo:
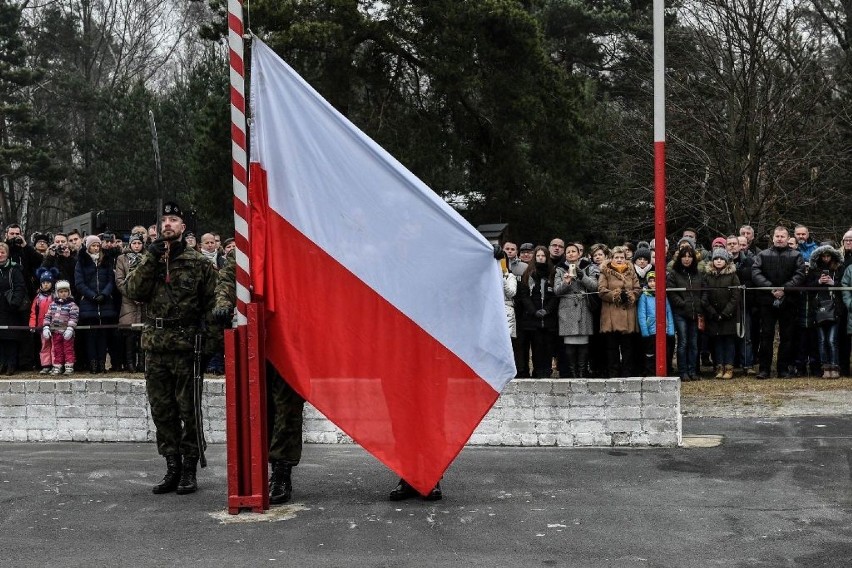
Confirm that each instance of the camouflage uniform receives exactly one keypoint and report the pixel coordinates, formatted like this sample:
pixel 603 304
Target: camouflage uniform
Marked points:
pixel 284 405
pixel 178 292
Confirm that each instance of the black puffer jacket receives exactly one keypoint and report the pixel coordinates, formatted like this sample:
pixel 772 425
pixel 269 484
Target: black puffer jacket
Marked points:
pixel 686 303
pixel 777 267
pixel 535 292
pixel 834 267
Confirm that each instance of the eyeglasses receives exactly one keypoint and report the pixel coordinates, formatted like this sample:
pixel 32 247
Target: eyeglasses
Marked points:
pixel 557 246
pixel 847 240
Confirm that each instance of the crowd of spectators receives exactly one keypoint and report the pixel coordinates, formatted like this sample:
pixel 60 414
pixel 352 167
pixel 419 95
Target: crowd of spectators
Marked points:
pixel 732 307
pixel 103 327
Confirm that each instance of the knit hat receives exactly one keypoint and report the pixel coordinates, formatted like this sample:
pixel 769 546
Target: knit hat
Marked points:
pixel 135 237
pixel 721 253
pixel 47 275
pixel 651 276
pixel 688 240
pixel 63 285
pixel 719 242
pixel 90 240
pixel 642 252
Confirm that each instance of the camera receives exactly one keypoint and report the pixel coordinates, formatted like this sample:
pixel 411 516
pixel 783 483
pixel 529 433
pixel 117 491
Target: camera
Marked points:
pixel 825 272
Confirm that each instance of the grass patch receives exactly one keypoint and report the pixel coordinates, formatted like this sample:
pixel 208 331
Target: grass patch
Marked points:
pixel 740 386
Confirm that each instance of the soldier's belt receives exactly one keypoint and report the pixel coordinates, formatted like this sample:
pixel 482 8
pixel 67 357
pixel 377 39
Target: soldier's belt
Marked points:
pixel 165 323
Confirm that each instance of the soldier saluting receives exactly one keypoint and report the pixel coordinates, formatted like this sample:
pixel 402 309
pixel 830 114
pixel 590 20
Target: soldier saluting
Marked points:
pixel 177 285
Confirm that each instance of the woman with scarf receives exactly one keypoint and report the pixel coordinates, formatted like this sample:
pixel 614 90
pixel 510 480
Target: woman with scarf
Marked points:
pixel 95 282
pixel 618 289
pixel 130 311
pixel 577 291
pixel 13 295
pixel 539 314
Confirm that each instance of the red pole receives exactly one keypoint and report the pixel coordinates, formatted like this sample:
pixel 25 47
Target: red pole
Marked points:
pixel 660 182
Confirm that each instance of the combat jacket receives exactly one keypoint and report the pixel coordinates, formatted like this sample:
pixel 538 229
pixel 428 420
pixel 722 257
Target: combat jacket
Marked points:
pixel 178 297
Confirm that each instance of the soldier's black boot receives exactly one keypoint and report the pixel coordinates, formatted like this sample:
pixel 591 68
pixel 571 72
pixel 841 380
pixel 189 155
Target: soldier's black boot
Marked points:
pixel 435 495
pixel 188 484
pixel 402 491
pixel 280 483
pixel 172 478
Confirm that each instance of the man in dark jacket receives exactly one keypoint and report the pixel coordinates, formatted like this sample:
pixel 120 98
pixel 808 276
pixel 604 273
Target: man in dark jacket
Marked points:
pixel 778 267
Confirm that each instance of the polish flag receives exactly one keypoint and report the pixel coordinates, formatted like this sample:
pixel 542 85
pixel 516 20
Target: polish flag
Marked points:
pixel 384 307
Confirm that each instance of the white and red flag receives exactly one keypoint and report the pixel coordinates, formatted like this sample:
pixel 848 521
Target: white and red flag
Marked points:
pixel 384 306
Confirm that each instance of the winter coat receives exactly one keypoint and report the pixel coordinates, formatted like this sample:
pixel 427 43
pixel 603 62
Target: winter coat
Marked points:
pixel 648 315
pixel 777 267
pixel 687 303
pixel 618 316
pixel 11 278
pixel 65 265
pixel 62 314
pixel 536 293
pixel 94 279
pixel 575 314
pixel 41 303
pixel 130 311
pixel 847 297
pixel 720 302
pixel 835 270
pixel 510 288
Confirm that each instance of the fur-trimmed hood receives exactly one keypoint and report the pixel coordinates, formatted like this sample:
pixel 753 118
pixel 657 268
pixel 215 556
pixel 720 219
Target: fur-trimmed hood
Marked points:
pixel 707 268
pixel 836 257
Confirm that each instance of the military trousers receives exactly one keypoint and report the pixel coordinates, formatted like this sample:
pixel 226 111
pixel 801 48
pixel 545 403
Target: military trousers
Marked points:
pixel 284 419
pixel 173 395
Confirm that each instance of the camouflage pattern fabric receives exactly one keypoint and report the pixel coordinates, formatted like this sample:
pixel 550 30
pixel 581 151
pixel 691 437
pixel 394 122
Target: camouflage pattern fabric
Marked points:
pixel 169 382
pixel 184 302
pixel 284 405
pixel 179 289
pixel 284 418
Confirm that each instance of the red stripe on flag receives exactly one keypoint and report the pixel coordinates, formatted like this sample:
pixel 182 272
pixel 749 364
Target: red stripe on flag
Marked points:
pixel 374 372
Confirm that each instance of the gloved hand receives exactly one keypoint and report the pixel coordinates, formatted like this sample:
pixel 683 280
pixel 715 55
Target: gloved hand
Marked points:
pixel 45 333
pixel 540 314
pixel 624 297
pixel 158 248
pixel 498 252
pixel 223 315
pixel 68 333
pixel 99 299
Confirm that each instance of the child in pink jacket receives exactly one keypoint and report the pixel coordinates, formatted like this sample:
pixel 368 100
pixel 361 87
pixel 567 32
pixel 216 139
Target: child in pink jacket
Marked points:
pixel 59 324
pixel 41 304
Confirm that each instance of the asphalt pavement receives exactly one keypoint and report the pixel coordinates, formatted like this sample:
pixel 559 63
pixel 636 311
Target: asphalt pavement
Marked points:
pixel 776 492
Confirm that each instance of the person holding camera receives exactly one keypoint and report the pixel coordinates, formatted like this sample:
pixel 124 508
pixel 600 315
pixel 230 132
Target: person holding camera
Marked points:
pixel 95 281
pixel 61 257
pixel 12 297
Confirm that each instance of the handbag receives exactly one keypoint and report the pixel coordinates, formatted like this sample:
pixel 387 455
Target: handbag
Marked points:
pixel 700 322
pixel 825 312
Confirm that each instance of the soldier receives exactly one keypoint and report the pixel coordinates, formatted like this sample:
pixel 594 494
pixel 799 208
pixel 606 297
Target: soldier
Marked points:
pixel 177 285
pixel 284 420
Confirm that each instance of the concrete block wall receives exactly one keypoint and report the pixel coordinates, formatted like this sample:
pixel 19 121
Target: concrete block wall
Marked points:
pixel 530 412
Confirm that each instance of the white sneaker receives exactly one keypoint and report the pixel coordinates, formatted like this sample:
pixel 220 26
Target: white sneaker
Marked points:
pixel 69 369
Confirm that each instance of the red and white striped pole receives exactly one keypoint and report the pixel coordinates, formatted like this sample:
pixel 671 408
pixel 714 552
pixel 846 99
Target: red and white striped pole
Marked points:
pixel 660 181
pixel 239 155
pixel 245 359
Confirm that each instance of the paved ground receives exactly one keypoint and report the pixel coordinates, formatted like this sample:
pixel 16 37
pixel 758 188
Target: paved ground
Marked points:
pixel 774 493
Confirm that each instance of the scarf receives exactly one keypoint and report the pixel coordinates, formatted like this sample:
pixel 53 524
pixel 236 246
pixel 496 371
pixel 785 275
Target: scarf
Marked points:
pixel 211 256
pixel 641 272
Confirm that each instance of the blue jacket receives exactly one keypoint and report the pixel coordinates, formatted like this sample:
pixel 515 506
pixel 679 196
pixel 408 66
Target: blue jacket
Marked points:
pixel 807 248
pixel 648 315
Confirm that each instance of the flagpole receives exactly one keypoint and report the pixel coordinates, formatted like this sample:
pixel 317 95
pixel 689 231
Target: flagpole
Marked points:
pixel 660 183
pixel 239 155
pixel 245 378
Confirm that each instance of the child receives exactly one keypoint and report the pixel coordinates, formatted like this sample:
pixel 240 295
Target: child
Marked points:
pixel 59 324
pixel 40 306
pixel 648 326
pixel 719 302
